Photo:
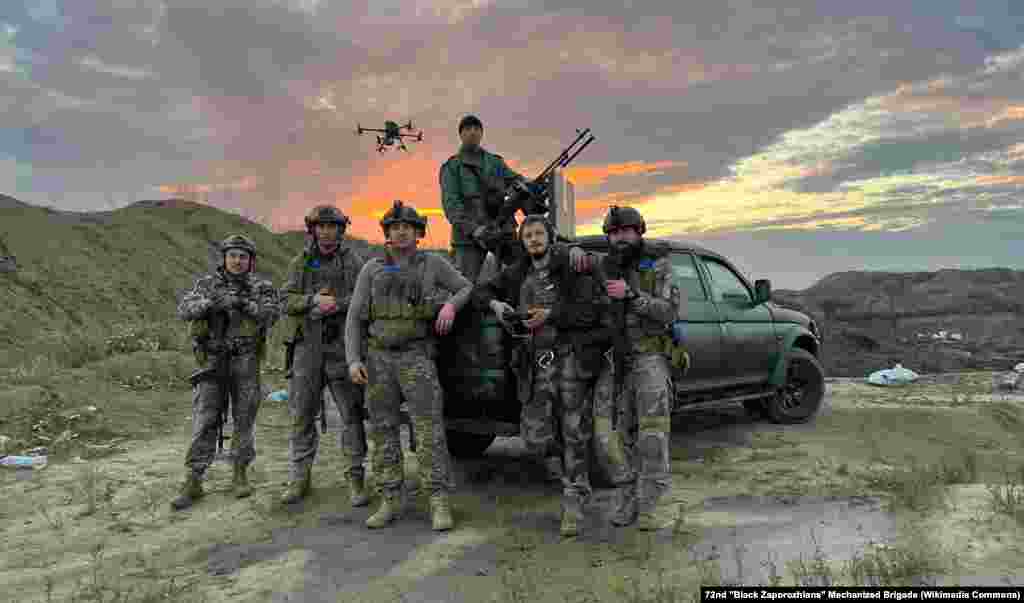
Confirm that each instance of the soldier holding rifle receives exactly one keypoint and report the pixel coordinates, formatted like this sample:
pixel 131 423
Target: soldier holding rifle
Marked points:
pixel 230 312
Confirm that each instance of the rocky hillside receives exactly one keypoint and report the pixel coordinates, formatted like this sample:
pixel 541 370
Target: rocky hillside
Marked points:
pixel 79 272
pixel 929 321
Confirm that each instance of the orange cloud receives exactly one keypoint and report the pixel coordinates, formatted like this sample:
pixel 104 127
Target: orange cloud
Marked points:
pixel 587 175
pixel 997 180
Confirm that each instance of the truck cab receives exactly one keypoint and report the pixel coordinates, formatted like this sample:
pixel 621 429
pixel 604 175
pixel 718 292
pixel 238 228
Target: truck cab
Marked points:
pixel 743 349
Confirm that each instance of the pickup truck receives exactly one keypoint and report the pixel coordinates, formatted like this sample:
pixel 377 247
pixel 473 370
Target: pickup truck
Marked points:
pixel 742 347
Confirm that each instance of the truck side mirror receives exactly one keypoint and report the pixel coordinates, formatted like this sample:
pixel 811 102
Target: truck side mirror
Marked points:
pixel 762 291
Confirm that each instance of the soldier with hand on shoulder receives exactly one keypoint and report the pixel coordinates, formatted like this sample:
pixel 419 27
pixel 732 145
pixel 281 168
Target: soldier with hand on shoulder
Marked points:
pixel 230 311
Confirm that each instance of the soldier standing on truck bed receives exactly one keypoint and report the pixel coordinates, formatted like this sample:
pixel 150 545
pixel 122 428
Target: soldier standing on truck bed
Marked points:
pixel 398 301
pixel 317 296
pixel 633 397
pixel 559 363
pixel 230 312
pixel 473 182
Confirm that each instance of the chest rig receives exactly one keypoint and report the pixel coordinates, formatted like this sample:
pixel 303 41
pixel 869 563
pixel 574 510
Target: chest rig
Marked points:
pixel 330 275
pixel 403 302
pixel 540 291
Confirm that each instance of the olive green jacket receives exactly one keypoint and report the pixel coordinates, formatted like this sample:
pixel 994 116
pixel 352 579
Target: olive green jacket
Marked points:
pixel 467 180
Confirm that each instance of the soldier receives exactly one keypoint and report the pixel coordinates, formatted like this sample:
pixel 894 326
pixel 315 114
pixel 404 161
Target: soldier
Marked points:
pixel 636 390
pixel 230 312
pixel 472 184
pixel 561 361
pixel 398 299
pixel 317 296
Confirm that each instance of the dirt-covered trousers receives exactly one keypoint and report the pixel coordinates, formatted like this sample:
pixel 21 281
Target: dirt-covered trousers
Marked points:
pixel 305 394
pixel 242 385
pixel 557 418
pixel 408 373
pixel 632 432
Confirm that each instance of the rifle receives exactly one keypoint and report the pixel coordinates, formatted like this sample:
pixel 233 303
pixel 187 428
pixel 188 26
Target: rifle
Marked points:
pixel 515 322
pixel 620 338
pixel 327 291
pixel 216 369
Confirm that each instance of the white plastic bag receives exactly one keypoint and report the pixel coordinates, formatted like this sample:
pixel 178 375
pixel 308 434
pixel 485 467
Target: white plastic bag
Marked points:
pixel 896 375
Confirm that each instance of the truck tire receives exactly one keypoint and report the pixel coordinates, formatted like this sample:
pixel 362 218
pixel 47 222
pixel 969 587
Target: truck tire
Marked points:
pixel 801 394
pixel 465 445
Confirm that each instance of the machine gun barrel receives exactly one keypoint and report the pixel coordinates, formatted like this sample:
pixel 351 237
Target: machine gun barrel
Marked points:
pixel 561 161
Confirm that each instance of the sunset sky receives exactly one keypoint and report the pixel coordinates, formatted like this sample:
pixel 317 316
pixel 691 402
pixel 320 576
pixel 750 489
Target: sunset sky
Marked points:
pixel 797 137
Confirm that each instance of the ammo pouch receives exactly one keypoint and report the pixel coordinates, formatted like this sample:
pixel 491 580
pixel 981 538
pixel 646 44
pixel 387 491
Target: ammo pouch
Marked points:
pixel 662 344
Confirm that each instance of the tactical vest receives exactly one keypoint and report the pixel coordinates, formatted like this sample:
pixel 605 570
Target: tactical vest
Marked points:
pixel 403 302
pixel 319 273
pixel 539 290
pixel 205 332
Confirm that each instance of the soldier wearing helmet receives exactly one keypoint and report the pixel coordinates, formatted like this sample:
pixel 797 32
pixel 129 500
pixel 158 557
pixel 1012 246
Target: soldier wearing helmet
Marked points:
pixel 472 184
pixel 633 396
pixel 316 300
pixel 404 301
pixel 230 312
pixel 560 359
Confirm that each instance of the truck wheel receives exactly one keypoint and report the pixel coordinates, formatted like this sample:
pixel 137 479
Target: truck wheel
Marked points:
pixel 465 445
pixel 801 394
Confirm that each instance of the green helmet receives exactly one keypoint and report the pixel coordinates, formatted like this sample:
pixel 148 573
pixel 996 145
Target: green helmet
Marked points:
pixel 326 214
pixel 619 217
pixel 237 241
pixel 400 212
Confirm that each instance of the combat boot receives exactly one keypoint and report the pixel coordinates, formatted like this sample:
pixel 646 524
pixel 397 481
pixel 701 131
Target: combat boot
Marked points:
pixel 357 494
pixel 191 491
pixel 624 512
pixel 441 512
pixel 241 482
pixel 387 512
pixel 572 516
pixel 298 488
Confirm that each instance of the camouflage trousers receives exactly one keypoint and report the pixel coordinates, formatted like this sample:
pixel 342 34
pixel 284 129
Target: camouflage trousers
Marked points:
pixel 557 417
pixel 632 431
pixel 409 374
pixel 208 399
pixel 305 392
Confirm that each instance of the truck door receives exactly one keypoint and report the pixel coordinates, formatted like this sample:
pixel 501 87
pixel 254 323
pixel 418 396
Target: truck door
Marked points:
pixel 749 346
pixel 702 325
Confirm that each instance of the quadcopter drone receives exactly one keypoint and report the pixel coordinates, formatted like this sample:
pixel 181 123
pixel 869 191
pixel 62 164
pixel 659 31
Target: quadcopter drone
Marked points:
pixel 392 134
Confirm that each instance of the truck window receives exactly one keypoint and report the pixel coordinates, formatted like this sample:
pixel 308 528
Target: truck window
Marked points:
pixel 726 285
pixel 686 277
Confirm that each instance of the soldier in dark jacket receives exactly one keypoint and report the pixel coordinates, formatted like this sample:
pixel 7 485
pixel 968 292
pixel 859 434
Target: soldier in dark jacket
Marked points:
pixel 472 184
pixel 632 409
pixel 404 301
pixel 559 364
pixel 316 296
pixel 230 312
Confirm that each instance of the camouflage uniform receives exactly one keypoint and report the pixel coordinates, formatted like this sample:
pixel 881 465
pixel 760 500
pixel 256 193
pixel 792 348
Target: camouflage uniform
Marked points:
pixel 319 360
pixel 558 367
pixel 633 429
pixel 470 181
pixel 228 343
pixel 397 301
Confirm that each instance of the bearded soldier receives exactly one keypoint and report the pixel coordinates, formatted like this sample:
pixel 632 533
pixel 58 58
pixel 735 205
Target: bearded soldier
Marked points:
pixel 472 185
pixel 559 364
pixel 398 300
pixel 633 398
pixel 317 295
pixel 230 312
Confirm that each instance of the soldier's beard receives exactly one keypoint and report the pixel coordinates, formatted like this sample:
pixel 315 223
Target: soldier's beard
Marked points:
pixel 537 255
pixel 625 251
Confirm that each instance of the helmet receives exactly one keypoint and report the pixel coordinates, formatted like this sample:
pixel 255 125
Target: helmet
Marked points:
pixel 619 217
pixel 326 214
pixel 238 241
pixel 242 242
pixel 400 212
